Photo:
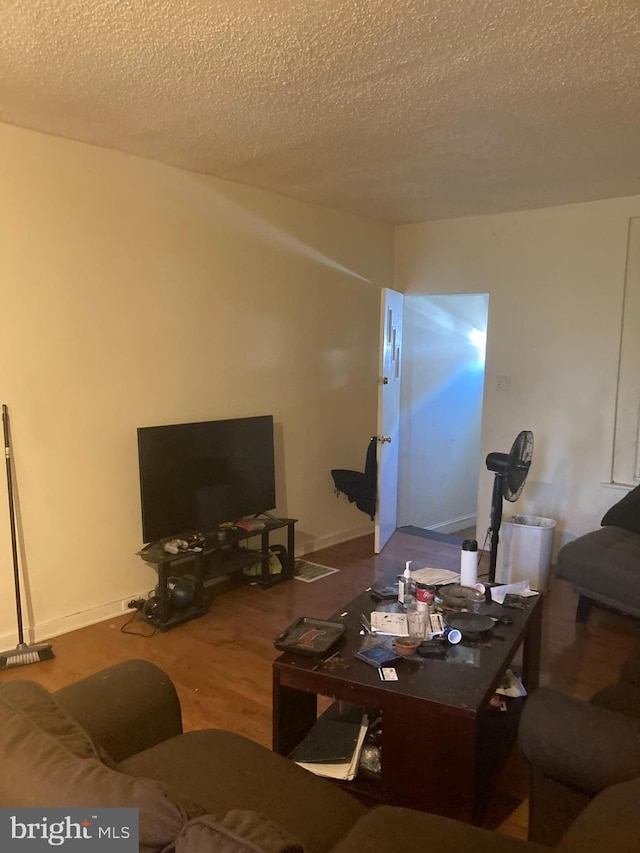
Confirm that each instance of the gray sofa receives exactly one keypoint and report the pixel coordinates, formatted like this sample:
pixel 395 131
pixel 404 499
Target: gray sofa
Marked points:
pixel 604 565
pixel 115 739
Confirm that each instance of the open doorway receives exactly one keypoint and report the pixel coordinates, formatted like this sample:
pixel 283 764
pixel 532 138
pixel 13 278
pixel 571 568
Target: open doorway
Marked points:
pixel 441 411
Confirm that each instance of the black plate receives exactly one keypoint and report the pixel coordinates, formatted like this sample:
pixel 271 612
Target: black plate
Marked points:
pixel 312 637
pixel 469 623
pixel 385 593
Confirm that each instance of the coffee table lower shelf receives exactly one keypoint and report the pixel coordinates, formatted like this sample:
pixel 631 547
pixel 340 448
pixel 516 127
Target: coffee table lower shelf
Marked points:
pixel 437 769
pixel 497 734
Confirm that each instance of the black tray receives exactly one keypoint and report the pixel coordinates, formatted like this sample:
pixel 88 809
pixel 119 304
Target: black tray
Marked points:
pixel 312 637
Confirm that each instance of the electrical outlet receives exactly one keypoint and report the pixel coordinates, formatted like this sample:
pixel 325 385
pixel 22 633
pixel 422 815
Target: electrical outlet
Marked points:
pixel 503 383
pixel 136 603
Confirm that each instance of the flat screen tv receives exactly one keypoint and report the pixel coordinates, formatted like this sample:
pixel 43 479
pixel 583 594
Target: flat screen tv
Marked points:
pixel 196 476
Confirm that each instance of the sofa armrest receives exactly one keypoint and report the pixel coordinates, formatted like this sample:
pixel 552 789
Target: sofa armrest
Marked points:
pixel 578 744
pixel 126 708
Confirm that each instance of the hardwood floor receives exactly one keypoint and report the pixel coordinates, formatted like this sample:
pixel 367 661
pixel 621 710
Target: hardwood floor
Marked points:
pixel 221 663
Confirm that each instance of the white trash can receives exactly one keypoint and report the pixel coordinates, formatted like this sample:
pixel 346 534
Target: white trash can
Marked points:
pixel 524 551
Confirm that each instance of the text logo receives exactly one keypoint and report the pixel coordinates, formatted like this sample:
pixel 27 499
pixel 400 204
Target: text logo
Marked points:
pixel 31 830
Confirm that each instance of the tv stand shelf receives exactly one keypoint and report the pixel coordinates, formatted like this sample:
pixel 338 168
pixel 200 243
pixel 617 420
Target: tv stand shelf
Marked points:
pixel 221 555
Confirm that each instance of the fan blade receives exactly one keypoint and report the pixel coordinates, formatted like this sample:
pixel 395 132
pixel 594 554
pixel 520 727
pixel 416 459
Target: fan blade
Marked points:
pixel 518 464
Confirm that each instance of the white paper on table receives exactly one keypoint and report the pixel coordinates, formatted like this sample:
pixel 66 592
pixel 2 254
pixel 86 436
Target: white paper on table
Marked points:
pixel 521 588
pixel 434 576
pixel 511 685
pixel 394 624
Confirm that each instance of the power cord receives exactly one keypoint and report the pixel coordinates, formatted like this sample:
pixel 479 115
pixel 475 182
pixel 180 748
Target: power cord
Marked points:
pixel 482 553
pixel 124 628
pixel 137 604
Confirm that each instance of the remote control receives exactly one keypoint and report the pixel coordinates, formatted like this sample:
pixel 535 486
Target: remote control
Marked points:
pixel 174 546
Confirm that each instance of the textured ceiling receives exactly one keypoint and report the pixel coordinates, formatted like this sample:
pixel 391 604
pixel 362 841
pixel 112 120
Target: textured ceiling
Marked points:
pixel 401 110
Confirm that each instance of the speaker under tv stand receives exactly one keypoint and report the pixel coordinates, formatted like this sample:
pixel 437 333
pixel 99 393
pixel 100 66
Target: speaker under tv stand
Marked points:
pixel 218 558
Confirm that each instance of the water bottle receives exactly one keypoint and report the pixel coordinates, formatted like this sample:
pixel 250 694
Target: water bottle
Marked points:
pixel 469 563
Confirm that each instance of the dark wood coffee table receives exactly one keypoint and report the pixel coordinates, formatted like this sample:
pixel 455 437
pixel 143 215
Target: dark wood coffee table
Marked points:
pixel 441 746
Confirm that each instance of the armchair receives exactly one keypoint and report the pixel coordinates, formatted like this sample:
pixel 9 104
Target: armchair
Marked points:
pixel 604 565
pixel 578 749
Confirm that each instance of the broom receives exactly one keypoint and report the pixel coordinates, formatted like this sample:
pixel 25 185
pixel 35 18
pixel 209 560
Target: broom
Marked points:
pixel 23 652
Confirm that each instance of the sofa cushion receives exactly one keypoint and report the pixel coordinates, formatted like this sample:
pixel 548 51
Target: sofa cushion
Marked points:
pixel 240 831
pixel 39 770
pixel 606 561
pixel 626 513
pixel 41 708
pixel 609 821
pixel 390 829
pixel 225 771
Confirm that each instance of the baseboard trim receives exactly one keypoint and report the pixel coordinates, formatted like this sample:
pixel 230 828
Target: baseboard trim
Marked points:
pixel 455 524
pixel 110 610
pixel 311 544
pixel 72 622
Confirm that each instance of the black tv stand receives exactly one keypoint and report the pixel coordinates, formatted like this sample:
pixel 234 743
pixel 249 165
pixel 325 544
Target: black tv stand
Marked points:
pixel 220 555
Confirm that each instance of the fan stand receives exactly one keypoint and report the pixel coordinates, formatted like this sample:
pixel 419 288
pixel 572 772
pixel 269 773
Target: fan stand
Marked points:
pixel 510 471
pixel 495 522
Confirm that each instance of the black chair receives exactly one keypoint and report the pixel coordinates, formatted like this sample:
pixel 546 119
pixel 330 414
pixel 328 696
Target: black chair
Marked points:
pixel 360 487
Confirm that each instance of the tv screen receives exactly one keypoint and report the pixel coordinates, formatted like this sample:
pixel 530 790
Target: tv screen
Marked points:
pixel 196 476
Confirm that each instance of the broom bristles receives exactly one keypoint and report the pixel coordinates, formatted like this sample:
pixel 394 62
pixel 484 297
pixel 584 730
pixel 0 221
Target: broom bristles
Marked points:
pixel 24 654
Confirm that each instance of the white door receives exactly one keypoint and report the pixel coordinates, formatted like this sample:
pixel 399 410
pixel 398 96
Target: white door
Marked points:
pixel 388 416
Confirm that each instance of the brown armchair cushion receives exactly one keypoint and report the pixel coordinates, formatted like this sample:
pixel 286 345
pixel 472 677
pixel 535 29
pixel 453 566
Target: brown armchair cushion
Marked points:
pixel 392 829
pixel 240 831
pixel 225 771
pixel 40 770
pixel 40 707
pixel 609 822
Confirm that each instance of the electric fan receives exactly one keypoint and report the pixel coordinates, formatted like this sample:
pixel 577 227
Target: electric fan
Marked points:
pixel 510 471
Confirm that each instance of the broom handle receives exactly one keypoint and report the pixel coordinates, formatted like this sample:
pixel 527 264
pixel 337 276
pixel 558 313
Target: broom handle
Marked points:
pixel 12 520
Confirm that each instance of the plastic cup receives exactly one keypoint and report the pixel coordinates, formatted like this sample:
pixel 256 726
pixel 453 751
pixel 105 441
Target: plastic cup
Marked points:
pixel 417 622
pixel 453 635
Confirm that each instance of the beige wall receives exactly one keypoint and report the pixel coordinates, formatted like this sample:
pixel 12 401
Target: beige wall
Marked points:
pixel 555 281
pixel 135 294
